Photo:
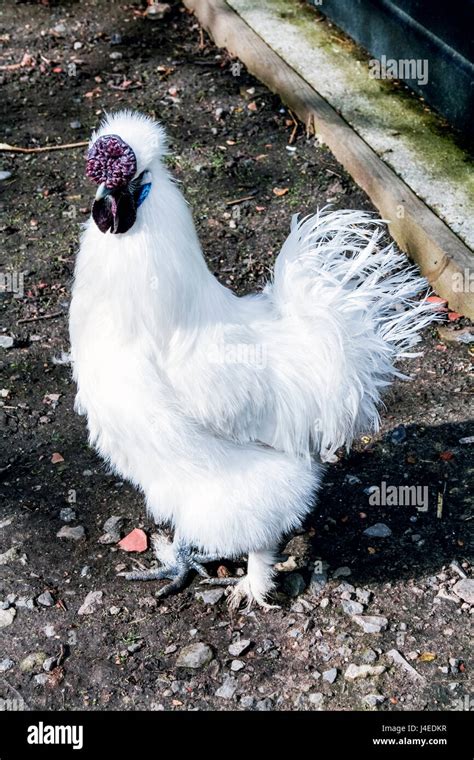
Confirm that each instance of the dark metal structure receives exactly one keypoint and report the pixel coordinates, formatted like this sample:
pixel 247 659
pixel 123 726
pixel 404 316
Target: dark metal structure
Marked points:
pixel 437 32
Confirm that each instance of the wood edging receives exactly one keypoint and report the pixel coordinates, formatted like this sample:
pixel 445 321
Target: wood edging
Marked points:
pixel 443 258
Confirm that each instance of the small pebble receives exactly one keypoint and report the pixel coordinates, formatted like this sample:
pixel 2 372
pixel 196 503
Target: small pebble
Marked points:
pixel 91 603
pixel 330 675
pixel 194 656
pixel 228 688
pixel 6 664
pixel 67 514
pixel 74 534
pixel 379 530
pixel 237 665
pixel 371 623
pixel 239 647
pixel 46 599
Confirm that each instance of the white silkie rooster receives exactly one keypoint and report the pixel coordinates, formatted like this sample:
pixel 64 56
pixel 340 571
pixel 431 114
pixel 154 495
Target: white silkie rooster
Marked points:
pixel 219 408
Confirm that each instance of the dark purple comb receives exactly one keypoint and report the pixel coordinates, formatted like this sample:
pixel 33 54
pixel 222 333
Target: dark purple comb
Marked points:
pixel 112 161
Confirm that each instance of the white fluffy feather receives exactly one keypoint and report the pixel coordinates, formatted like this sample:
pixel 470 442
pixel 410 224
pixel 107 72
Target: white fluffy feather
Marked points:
pixel 214 405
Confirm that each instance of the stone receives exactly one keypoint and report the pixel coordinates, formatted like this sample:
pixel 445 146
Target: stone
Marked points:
pixel 6 664
pixel 211 596
pixel 237 665
pixel 264 705
pixel 352 608
pixel 239 647
pixel 67 514
pixel 354 672
pixel 135 647
pixel 465 590
pixel 33 661
pixel 112 530
pixel 371 623
pixel 91 603
pixel 316 699
pixel 195 656
pixel 46 599
pixel 368 655
pixel 49 664
pixel 228 688
pixel 41 679
pixel 72 534
pixel 6 341
pixel 26 602
pixel 293 584
pixel 9 556
pixel 342 572
pixel 398 435
pixel 330 675
pixel 363 595
pixel 247 702
pixel 372 700
pixel 379 530
pixel 7 617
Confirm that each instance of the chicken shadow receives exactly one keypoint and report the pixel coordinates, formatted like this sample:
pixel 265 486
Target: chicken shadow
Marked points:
pixel 417 488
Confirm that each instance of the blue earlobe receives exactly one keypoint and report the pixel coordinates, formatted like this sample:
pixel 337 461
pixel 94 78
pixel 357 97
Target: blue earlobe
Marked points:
pixel 144 191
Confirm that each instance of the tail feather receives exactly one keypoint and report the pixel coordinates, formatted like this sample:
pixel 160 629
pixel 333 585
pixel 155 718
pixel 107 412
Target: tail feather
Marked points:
pixel 335 274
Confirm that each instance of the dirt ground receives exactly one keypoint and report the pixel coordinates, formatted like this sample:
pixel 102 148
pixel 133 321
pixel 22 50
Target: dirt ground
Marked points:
pixel 230 139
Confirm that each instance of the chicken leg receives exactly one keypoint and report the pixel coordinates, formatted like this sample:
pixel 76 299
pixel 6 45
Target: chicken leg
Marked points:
pixel 177 559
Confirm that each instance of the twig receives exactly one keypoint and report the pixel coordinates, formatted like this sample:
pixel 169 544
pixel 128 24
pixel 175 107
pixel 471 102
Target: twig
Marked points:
pixel 4 147
pixel 240 200
pixel 41 316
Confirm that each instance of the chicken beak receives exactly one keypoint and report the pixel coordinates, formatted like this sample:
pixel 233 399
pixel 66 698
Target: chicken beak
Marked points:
pixel 102 192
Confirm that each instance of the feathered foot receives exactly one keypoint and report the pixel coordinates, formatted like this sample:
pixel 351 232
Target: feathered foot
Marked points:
pixel 177 561
pixel 253 587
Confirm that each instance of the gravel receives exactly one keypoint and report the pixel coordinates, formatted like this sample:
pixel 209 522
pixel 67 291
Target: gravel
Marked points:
pixel 211 596
pixel 316 699
pixel 195 656
pixel 379 530
pixel 465 590
pixel 330 675
pixel 228 688
pixel 264 705
pixel 46 599
pixel 293 584
pixel 6 664
pixel 342 572
pixel 7 617
pixel 67 514
pixel 372 700
pixel 73 534
pixel 354 672
pixel 91 603
pixel 371 623
pixel 239 647
pixel 352 608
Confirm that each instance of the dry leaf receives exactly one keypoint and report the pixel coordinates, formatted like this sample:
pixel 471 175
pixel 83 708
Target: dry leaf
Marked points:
pixel 279 191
